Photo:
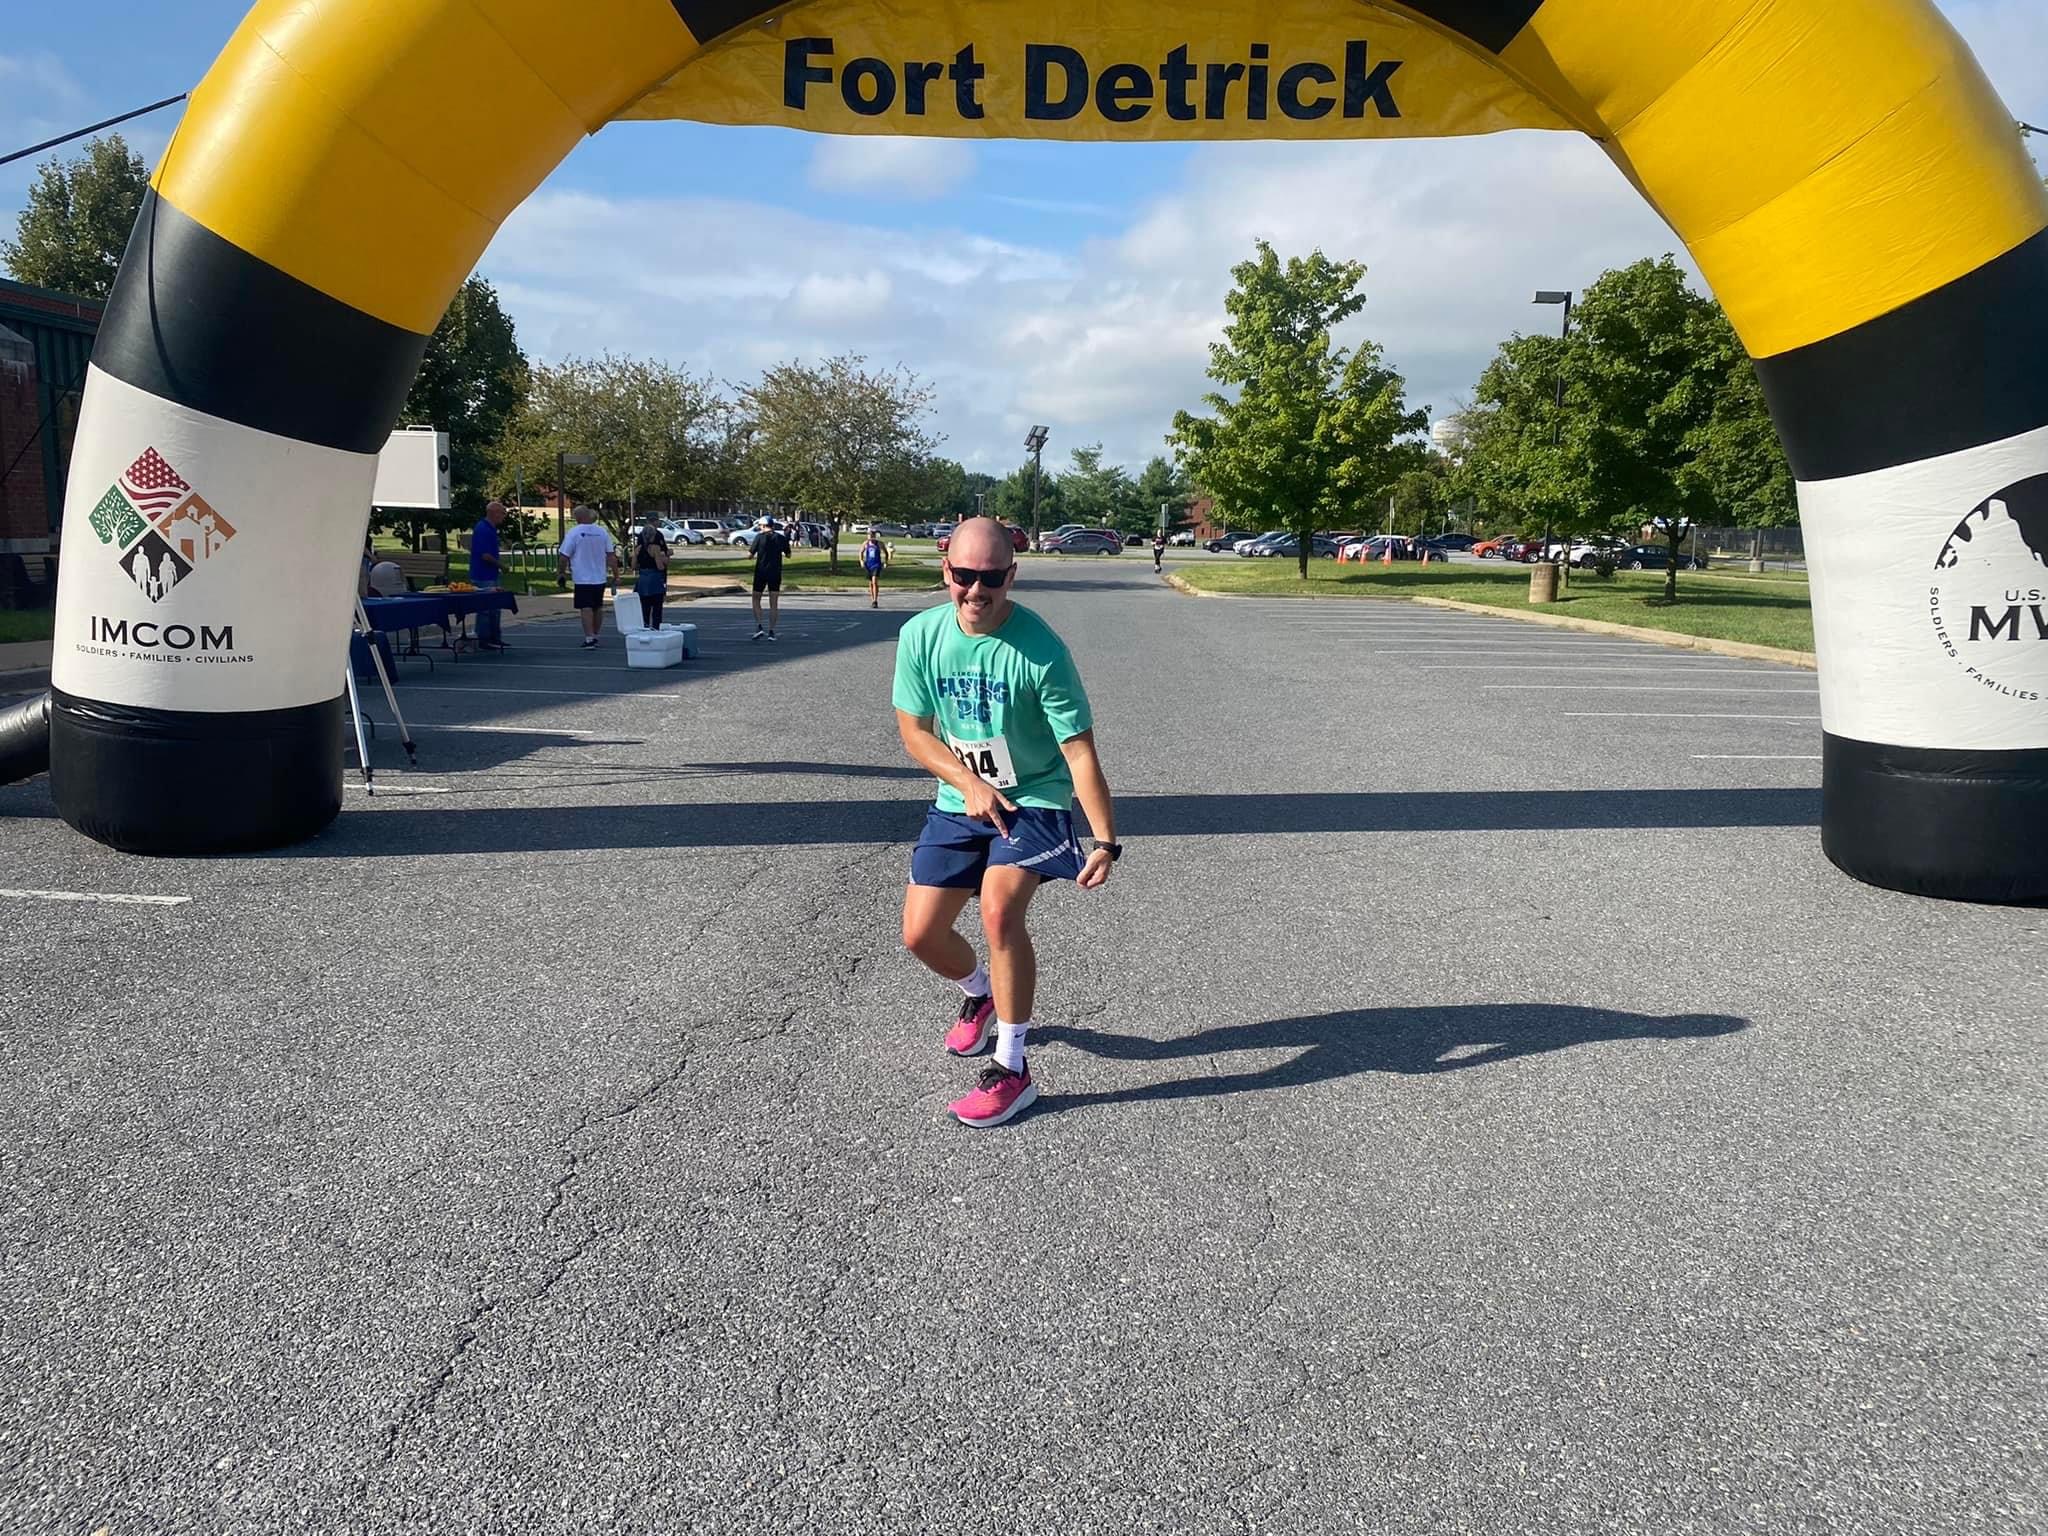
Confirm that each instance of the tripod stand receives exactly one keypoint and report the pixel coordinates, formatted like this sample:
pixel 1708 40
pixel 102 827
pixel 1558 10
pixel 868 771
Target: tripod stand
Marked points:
pixel 355 703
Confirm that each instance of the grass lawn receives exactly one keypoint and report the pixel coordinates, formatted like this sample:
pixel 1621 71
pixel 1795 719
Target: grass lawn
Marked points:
pixel 1732 606
pixel 17 625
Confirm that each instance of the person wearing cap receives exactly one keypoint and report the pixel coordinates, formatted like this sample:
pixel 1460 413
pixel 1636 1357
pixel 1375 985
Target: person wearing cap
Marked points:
pixel 769 548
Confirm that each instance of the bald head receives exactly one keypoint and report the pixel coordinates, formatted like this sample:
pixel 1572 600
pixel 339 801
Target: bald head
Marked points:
pixel 980 543
pixel 495 511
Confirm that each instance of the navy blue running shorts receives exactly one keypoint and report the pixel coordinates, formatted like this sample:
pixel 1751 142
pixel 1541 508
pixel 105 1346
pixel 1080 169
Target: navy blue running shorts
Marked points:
pixel 954 850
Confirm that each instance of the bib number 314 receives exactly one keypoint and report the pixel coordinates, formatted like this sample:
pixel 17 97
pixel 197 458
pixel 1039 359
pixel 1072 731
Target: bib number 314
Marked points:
pixel 989 760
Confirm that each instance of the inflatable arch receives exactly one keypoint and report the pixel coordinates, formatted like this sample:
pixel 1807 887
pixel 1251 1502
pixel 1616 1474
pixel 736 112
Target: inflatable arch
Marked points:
pixel 1843 173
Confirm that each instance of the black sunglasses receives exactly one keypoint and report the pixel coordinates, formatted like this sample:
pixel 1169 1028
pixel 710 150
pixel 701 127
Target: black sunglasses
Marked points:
pixel 963 577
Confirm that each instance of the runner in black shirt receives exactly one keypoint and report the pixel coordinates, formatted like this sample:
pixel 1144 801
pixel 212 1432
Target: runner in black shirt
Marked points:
pixel 769 548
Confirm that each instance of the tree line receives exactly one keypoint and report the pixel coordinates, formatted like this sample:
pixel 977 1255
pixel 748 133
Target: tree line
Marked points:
pixel 1646 415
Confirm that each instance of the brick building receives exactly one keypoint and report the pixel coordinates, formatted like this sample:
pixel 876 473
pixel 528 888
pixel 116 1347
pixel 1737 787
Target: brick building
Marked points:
pixel 45 340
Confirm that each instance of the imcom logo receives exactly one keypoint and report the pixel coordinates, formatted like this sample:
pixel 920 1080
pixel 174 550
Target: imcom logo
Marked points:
pixel 162 530
pixel 1989 599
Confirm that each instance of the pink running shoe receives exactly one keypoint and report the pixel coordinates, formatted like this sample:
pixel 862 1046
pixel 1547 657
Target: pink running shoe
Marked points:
pixel 999 1095
pixel 976 1027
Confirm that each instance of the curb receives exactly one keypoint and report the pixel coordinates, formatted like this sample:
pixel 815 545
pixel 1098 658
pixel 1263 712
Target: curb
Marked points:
pixel 1739 649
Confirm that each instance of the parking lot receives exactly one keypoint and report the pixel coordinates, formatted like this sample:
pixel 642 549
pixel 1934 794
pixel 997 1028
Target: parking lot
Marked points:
pixel 1473 1105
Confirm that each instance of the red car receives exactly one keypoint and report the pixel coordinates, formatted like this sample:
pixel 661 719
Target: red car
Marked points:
pixel 1020 541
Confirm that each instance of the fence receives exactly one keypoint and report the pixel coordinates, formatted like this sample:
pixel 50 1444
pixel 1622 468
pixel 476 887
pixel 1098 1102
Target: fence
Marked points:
pixel 1784 546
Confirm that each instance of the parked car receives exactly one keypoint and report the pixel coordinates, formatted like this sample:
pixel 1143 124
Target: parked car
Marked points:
pixel 700 530
pixel 1376 547
pixel 1500 547
pixel 1459 541
pixel 1084 541
pixel 1183 537
pixel 1227 541
pixel 1288 547
pixel 1252 544
pixel 1656 557
pixel 1020 541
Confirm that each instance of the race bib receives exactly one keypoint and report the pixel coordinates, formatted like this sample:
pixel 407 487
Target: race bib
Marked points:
pixel 988 759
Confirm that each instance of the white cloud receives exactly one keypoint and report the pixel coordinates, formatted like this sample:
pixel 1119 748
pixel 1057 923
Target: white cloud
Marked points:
pixel 1104 338
pixel 908 169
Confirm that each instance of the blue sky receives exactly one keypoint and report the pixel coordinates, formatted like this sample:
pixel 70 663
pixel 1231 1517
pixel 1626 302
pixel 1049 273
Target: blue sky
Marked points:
pixel 1077 285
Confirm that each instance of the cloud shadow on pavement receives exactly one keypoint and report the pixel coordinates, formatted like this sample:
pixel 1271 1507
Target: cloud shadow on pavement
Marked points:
pixel 1410 1041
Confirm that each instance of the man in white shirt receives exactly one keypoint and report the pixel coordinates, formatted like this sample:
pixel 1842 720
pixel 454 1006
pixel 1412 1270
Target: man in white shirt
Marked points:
pixel 589 559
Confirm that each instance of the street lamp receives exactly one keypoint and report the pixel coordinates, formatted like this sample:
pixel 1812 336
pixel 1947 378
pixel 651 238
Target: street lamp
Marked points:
pixel 1553 296
pixel 1035 441
pixel 562 463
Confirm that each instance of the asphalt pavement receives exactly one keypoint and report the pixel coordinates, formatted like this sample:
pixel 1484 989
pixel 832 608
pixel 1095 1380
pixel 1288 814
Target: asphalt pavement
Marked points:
pixel 1474 1105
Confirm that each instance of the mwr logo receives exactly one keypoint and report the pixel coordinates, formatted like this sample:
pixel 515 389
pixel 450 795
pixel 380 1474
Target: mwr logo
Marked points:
pixel 163 529
pixel 1989 603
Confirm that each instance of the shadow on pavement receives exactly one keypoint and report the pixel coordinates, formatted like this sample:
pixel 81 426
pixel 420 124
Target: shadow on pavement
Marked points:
pixel 1413 1041
pixel 404 831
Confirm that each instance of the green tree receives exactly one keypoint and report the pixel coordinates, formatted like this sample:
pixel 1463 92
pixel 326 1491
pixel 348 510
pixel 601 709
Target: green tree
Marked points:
pixel 1648 366
pixel 838 438
pixel 652 431
pixel 1010 498
pixel 1161 484
pixel 1739 466
pixel 471 382
pixel 1099 494
pixel 80 213
pixel 1422 496
pixel 1312 429
pixel 1521 458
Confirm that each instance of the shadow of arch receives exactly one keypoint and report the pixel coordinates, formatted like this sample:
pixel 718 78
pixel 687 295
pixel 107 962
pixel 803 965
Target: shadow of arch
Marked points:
pixel 1419 1041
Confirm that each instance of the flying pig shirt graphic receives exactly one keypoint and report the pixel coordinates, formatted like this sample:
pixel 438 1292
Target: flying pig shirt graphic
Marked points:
pixel 162 531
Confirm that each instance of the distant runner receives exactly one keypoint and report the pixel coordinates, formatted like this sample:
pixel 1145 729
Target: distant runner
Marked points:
pixel 989 701
pixel 873 556
pixel 1158 551
pixel 769 548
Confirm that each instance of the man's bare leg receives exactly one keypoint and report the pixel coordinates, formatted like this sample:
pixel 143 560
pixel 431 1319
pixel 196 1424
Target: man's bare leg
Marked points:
pixel 1006 892
pixel 929 915
pixel 758 625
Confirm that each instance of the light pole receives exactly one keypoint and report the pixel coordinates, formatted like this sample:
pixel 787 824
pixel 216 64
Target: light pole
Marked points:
pixel 562 463
pixel 1553 296
pixel 1035 441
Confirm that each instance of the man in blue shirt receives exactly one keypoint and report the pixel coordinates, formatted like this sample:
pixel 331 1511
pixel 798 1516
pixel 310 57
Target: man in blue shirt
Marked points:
pixel 484 572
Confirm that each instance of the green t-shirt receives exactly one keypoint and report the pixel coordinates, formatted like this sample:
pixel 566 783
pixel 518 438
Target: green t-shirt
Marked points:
pixel 1003 702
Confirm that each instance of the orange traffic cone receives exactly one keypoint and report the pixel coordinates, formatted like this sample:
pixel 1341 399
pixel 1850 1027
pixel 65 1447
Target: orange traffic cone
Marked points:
pixel 1387 555
pixel 1425 554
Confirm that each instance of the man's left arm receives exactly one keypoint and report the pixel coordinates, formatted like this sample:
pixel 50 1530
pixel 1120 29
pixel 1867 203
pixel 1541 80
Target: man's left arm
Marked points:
pixel 1091 788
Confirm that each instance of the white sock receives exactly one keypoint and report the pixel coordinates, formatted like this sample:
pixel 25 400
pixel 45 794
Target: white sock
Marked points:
pixel 1010 1043
pixel 975 985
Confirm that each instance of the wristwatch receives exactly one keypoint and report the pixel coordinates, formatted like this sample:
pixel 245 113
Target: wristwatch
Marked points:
pixel 1097 845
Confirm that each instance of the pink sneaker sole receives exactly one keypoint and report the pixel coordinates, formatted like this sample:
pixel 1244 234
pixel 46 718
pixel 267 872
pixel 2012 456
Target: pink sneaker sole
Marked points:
pixel 975 1033
pixel 981 1109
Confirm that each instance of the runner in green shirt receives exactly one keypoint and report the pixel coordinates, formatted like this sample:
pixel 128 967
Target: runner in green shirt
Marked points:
pixel 988 699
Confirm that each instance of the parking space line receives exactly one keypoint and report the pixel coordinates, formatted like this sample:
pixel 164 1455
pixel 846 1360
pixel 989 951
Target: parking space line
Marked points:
pixel 1756 757
pixel 109 898
pixel 1448 666
pixel 1637 714
pixel 1628 688
pixel 511 730
pixel 549 693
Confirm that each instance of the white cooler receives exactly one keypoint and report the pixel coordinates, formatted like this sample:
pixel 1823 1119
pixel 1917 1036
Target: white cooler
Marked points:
pixel 654 648
pixel 663 647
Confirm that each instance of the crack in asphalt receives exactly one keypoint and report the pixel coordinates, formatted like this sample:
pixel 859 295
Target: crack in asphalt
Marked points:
pixel 575 1158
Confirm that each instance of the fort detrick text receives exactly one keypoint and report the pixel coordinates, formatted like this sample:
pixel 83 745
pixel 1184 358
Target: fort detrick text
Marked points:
pixel 1060 84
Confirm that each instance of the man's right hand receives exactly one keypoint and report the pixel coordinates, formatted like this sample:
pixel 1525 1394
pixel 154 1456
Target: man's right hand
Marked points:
pixel 986 803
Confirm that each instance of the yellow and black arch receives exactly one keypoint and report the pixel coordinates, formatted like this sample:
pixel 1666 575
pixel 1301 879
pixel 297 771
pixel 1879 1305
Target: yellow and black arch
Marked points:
pixel 1843 173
